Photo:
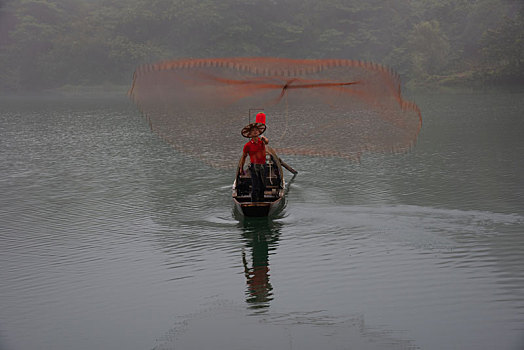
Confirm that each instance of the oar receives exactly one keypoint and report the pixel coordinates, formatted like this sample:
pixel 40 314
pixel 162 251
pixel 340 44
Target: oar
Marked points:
pixel 288 185
pixel 284 164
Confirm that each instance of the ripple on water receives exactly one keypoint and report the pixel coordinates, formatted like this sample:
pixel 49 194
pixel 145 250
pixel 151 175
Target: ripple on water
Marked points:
pixel 408 257
pixel 107 235
pixel 295 330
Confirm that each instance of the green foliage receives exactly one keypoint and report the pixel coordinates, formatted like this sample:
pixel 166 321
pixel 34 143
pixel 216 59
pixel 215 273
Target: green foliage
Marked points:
pixel 51 43
pixel 430 47
pixel 503 50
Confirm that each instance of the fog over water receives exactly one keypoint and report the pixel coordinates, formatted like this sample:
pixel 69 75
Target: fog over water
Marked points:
pixel 67 44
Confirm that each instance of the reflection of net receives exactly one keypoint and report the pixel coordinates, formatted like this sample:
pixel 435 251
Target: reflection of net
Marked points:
pixel 314 107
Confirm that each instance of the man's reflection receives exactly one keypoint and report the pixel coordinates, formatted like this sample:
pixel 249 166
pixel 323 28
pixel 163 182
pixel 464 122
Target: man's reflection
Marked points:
pixel 260 237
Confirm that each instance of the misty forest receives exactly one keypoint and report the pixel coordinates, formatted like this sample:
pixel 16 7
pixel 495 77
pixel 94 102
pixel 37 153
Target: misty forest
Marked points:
pixel 52 44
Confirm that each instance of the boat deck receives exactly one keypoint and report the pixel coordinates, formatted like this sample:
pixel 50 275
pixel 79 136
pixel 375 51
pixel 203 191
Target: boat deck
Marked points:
pixel 273 194
pixel 243 188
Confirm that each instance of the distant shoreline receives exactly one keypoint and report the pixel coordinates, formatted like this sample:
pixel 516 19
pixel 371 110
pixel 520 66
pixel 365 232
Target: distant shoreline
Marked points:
pixel 75 91
pixel 464 81
pixel 440 84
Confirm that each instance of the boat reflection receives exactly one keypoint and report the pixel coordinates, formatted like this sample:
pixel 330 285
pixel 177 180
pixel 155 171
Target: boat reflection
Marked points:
pixel 261 238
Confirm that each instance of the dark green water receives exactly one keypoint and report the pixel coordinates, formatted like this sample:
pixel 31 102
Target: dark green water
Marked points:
pixel 109 239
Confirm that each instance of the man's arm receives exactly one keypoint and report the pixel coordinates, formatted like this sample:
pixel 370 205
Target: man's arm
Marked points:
pixel 264 139
pixel 242 161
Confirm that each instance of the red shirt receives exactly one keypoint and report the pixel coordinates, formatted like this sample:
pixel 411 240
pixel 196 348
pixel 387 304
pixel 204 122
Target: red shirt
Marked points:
pixel 257 151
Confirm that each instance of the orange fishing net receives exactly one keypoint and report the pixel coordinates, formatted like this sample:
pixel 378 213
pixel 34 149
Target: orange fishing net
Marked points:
pixel 314 107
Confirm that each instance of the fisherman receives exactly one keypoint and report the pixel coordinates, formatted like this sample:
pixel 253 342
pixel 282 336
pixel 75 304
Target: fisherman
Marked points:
pixel 256 148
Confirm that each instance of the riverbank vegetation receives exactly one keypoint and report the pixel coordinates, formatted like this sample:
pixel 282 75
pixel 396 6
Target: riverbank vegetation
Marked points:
pixel 48 44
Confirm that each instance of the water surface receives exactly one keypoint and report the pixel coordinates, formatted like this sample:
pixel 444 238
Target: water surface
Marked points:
pixel 110 239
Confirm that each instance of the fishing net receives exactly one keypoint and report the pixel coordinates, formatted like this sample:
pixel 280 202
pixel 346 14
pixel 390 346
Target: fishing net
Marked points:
pixel 321 107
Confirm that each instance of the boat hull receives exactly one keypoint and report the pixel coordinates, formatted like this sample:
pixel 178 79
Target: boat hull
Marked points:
pixel 259 209
pixel 273 196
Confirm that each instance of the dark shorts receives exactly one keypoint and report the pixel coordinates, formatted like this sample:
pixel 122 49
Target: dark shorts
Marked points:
pixel 257 182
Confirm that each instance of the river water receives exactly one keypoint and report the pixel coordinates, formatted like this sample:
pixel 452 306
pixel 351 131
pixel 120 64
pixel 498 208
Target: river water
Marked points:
pixel 110 239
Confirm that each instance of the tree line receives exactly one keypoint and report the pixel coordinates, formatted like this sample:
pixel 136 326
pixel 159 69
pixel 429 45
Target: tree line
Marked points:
pixel 46 44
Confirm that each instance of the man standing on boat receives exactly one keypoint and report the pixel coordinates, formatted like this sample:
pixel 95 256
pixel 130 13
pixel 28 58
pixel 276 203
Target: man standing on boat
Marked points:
pixel 256 148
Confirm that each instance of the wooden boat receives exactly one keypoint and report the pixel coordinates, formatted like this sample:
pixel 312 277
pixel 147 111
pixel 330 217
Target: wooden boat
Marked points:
pixel 273 196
